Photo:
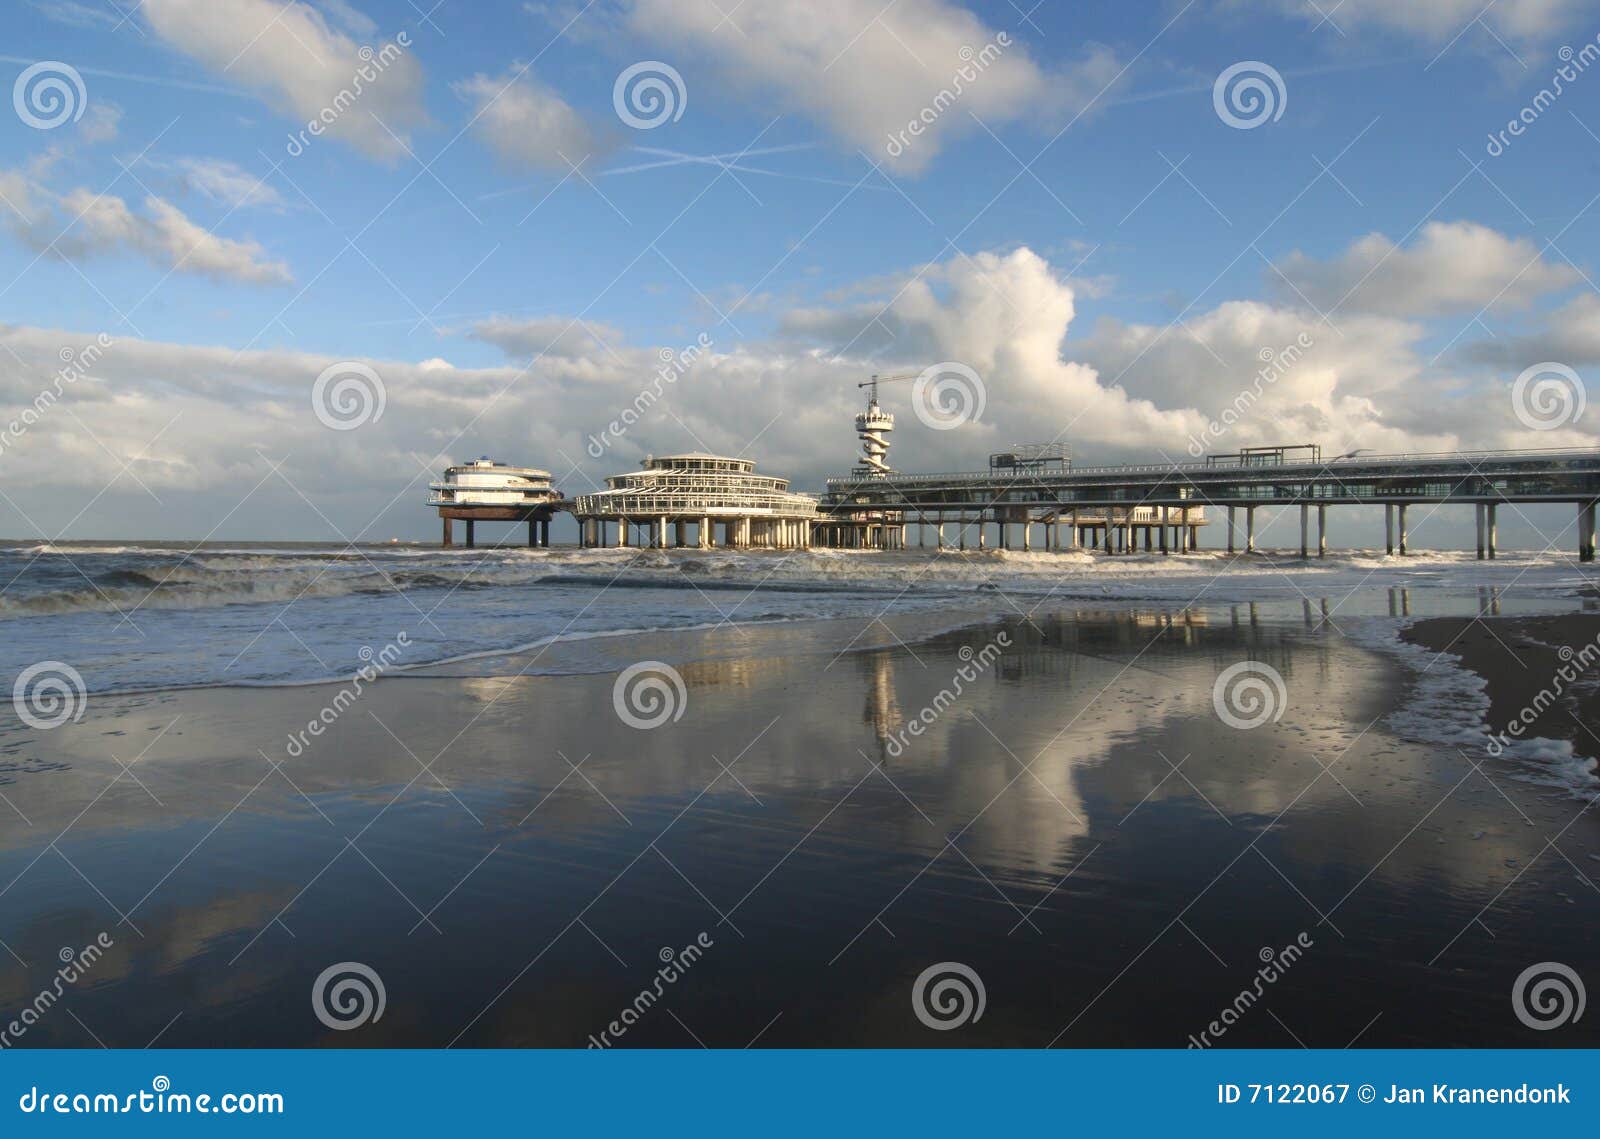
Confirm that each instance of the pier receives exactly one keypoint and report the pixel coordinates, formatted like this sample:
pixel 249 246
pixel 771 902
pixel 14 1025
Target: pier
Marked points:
pixel 720 498
pixel 1115 505
pixel 486 491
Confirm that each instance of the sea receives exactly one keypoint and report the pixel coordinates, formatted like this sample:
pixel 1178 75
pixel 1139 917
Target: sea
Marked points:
pixel 148 616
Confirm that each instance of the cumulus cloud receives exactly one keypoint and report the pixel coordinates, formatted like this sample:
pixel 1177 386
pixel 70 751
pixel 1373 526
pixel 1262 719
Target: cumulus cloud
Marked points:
pixel 301 65
pixel 1452 267
pixel 1122 391
pixel 865 70
pixel 527 123
pixel 1570 336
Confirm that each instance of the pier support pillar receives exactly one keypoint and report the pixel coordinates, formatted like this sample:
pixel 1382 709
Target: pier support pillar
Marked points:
pixel 1478 517
pixel 981 544
pixel 1230 529
pixel 1494 530
pixel 1305 530
pixel 533 532
pixel 1388 527
pixel 1403 535
pixel 705 533
pixel 1586 532
pixel 1073 531
pixel 1027 535
pixel 1322 531
pixel 1107 529
pixel 622 532
pixel 1188 535
pixel 1250 529
pixel 449 534
pixel 470 541
pixel 1163 527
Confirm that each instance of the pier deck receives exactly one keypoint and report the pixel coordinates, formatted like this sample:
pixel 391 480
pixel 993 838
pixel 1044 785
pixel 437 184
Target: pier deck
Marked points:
pixel 1107 496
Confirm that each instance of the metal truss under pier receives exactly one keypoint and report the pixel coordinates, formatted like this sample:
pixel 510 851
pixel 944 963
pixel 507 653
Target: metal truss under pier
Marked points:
pixel 1111 504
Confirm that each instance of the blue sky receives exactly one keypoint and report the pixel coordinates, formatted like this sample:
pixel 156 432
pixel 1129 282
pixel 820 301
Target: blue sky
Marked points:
pixel 1080 225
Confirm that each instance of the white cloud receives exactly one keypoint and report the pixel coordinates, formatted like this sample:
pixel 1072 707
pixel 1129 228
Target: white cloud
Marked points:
pixel 527 337
pixel 1452 267
pixel 1438 21
pixel 865 70
pixel 1570 336
pixel 300 64
pixel 226 183
pixel 163 235
pixel 526 123
pixel 100 122
pixel 1123 392
pixel 81 224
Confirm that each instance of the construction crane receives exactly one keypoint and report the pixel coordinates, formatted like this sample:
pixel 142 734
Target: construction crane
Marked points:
pixel 873 426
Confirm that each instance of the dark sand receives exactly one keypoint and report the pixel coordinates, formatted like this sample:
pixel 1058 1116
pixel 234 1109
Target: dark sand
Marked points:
pixel 1518 657
pixel 1078 827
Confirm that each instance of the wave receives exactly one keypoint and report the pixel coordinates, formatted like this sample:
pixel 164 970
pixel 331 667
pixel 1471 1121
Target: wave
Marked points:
pixel 1449 704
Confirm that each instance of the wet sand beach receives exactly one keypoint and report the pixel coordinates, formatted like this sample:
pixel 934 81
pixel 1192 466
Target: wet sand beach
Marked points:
pixel 1076 824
